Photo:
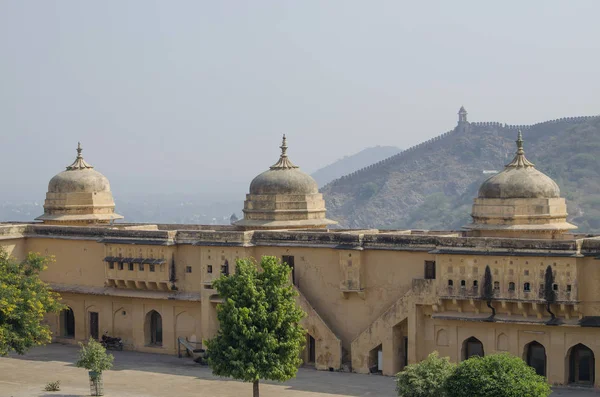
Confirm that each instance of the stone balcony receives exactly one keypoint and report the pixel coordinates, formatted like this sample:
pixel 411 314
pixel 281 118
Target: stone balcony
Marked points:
pixel 526 304
pixel 137 273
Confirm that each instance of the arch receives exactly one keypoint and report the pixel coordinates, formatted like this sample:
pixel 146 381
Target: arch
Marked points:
pixel 534 355
pixel 472 347
pixel 502 342
pixel 581 365
pixel 442 338
pixel 67 323
pixel 185 326
pixel 153 328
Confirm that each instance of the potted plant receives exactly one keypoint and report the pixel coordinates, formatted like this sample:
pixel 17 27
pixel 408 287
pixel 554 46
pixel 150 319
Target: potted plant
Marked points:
pixel 94 358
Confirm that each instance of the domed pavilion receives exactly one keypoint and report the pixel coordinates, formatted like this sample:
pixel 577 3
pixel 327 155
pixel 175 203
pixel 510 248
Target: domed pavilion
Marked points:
pixel 520 202
pixel 284 197
pixel 79 196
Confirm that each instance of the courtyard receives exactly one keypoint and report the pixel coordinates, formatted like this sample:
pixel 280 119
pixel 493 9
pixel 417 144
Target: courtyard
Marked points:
pixel 153 375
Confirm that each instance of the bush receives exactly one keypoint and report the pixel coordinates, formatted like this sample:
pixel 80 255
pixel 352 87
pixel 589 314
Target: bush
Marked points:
pixel 93 357
pixel 425 379
pixel 53 386
pixel 497 375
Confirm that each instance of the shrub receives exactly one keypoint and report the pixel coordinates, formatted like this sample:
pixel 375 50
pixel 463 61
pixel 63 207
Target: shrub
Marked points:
pixel 93 357
pixel 53 386
pixel 425 379
pixel 497 375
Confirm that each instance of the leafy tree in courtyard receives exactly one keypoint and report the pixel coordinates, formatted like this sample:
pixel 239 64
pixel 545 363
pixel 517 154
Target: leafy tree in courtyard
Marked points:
pixel 259 336
pixel 488 291
pixel 24 300
pixel 425 379
pixel 550 294
pixel 497 375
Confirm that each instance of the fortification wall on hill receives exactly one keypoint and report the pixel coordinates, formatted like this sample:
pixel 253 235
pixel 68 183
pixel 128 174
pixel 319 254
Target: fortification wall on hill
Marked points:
pixel 444 138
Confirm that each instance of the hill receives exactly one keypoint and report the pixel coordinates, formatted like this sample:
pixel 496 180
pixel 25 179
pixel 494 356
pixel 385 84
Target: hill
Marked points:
pixel 349 164
pixel 432 185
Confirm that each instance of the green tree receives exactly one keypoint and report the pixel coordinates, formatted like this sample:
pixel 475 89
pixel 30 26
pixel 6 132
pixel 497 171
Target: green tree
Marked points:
pixel 497 375
pixel 550 294
pixel 425 379
pixel 24 301
pixel 259 335
pixel 487 293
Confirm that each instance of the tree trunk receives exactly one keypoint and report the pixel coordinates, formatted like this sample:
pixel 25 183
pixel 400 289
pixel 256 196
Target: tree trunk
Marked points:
pixel 489 304
pixel 553 317
pixel 255 389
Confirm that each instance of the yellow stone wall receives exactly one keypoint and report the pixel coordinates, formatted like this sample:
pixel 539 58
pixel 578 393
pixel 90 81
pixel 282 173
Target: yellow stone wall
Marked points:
pixel 361 297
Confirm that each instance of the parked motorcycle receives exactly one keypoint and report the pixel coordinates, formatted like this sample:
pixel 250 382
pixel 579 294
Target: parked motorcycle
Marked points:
pixel 110 342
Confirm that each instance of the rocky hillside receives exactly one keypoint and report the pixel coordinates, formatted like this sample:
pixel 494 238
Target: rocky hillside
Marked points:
pixel 355 162
pixel 432 185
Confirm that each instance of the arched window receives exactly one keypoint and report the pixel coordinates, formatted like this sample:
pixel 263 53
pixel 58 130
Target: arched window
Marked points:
pixel 463 283
pixel 67 323
pixel 526 287
pixel 153 328
pixel 581 365
pixel 535 356
pixel 511 286
pixel 450 283
pixel 472 347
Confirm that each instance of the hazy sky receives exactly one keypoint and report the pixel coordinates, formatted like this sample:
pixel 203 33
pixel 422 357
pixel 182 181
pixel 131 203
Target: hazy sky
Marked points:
pixel 187 96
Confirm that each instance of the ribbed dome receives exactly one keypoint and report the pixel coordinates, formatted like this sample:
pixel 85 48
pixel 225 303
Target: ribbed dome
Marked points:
pixel 79 195
pixel 79 177
pixel 76 181
pixel 284 177
pixel 284 181
pixel 519 179
pixel 284 197
pixel 519 183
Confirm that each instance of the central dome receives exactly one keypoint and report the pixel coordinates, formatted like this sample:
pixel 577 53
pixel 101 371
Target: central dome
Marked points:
pixel 284 177
pixel 283 197
pixel 284 181
pixel 519 179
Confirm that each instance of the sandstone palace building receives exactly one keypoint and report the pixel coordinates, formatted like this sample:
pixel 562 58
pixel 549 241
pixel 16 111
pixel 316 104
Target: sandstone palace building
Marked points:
pixel 376 300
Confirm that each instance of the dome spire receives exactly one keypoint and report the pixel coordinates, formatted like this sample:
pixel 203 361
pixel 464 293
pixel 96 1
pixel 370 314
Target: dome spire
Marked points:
pixel 520 160
pixel 79 163
pixel 284 163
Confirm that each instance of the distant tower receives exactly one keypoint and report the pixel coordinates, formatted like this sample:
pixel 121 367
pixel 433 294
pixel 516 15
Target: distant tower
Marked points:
pixel 463 124
pixel 462 115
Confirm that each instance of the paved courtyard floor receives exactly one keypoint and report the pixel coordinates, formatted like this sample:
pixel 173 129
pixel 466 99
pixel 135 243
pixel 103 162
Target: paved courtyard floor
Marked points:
pixel 154 375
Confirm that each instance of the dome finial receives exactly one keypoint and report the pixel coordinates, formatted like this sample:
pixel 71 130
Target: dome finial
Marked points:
pixel 79 163
pixel 520 160
pixel 283 163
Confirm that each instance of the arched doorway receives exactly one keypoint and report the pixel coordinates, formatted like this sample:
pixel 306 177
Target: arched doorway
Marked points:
pixel 472 347
pixel 67 323
pixel 582 365
pixel 535 356
pixel 153 328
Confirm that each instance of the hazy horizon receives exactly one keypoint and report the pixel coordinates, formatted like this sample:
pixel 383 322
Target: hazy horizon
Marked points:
pixel 191 98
